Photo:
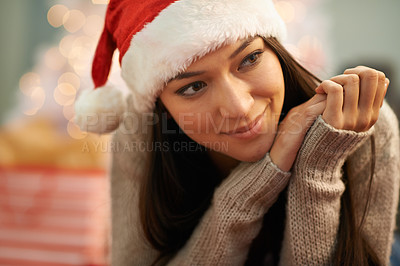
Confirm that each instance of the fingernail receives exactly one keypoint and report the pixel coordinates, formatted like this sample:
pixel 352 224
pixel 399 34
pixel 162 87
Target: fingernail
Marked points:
pixel 387 81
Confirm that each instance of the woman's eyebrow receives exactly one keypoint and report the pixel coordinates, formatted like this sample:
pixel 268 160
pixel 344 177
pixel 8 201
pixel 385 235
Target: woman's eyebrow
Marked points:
pixel 242 47
pixel 186 75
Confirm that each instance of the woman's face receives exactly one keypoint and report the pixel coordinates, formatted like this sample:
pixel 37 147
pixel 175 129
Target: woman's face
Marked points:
pixel 230 100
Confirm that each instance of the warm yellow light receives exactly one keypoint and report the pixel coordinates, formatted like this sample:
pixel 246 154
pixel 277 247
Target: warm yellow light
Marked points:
pixel 71 78
pixel 28 81
pixel 100 2
pixel 74 131
pixel 55 15
pixel 74 20
pixel 54 59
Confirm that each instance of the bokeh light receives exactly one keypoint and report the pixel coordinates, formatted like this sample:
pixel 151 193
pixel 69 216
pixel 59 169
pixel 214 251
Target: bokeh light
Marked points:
pixel 71 78
pixel 74 131
pixel 28 82
pixel 66 44
pixel 79 59
pixel 55 15
pixel 64 94
pixel 74 20
pixel 37 97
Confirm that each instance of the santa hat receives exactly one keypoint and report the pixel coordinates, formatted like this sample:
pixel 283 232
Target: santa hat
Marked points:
pixel 158 39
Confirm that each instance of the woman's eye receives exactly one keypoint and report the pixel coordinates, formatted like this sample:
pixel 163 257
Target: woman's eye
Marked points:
pixel 192 88
pixel 251 59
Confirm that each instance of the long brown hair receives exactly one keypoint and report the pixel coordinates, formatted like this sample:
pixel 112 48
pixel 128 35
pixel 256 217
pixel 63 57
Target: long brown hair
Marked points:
pixel 180 184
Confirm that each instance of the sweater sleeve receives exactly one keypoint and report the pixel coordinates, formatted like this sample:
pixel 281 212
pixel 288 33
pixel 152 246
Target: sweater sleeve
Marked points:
pixel 225 233
pixel 314 191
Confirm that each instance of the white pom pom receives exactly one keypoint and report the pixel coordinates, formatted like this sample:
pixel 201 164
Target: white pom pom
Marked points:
pixel 100 110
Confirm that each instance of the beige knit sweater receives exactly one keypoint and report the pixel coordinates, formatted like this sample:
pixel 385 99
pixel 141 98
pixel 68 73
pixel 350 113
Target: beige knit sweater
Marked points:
pixel 226 231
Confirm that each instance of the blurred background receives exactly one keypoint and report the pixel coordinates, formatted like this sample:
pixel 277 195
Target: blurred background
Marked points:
pixel 54 204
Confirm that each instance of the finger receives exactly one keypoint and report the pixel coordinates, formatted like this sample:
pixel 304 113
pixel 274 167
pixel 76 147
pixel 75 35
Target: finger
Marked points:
pixel 334 102
pixel 387 82
pixel 316 99
pixel 350 84
pixel 381 91
pixel 300 118
pixel 319 90
pixel 368 86
pixel 386 86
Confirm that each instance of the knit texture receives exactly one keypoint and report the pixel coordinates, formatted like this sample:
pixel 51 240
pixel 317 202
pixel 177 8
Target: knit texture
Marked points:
pixel 225 233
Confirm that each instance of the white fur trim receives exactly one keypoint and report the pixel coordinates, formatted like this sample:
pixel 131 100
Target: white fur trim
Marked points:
pixel 187 30
pixel 99 110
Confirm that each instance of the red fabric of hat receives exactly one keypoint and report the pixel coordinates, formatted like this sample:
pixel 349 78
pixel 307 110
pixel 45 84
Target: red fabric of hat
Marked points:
pixel 124 18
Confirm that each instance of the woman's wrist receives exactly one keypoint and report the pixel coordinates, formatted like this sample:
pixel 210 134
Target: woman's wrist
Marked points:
pixel 282 157
pixel 326 148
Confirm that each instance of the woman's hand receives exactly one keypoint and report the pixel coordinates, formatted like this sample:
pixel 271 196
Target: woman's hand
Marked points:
pixel 349 101
pixel 354 98
pixel 292 130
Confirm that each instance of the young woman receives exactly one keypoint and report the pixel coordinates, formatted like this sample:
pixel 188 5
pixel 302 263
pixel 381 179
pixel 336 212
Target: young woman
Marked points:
pixel 249 158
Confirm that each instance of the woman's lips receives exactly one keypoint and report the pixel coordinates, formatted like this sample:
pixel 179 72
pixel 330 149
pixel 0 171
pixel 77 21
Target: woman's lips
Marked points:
pixel 248 131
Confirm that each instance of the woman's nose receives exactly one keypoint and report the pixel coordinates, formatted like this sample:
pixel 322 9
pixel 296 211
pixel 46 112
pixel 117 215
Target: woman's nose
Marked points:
pixel 235 98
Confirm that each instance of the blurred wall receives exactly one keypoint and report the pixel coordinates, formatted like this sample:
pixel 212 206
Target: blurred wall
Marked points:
pixel 23 28
pixel 366 32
